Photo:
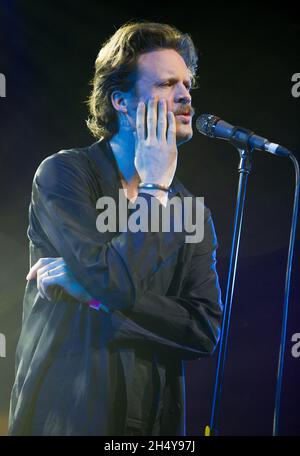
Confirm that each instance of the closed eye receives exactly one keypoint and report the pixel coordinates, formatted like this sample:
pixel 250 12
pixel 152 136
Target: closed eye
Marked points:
pixel 171 82
pixel 166 84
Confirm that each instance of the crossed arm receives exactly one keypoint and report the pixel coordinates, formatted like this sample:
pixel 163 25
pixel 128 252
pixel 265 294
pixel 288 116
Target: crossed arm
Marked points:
pixel 54 272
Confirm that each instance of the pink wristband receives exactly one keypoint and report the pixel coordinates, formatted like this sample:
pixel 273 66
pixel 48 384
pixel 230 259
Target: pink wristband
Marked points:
pixel 97 305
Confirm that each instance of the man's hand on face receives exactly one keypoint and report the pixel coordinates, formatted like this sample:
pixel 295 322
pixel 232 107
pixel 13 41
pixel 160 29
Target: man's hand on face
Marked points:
pixel 156 150
pixel 51 272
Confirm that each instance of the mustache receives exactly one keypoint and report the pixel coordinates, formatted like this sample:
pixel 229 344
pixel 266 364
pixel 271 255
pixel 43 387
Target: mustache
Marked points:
pixel 185 110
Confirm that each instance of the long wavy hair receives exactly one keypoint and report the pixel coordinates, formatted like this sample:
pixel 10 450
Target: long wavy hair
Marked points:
pixel 116 65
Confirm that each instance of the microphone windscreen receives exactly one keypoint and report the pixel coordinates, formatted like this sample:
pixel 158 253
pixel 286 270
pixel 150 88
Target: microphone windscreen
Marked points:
pixel 205 122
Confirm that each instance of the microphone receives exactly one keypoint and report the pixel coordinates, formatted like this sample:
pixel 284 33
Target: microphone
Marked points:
pixel 214 127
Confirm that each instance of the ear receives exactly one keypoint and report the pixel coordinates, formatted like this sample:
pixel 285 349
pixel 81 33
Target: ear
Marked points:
pixel 119 101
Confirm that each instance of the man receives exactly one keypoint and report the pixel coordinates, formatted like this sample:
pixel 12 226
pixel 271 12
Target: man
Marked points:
pixel 118 370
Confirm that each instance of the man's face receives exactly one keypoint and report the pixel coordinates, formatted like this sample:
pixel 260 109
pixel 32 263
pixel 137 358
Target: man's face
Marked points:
pixel 164 74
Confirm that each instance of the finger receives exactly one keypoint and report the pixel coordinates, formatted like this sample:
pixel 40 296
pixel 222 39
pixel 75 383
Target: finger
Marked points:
pixel 70 286
pixel 51 267
pixel 41 291
pixel 46 272
pixel 135 137
pixel 41 288
pixel 33 270
pixel 152 118
pixel 39 284
pixel 40 263
pixel 162 120
pixel 171 135
pixel 140 121
pixel 47 281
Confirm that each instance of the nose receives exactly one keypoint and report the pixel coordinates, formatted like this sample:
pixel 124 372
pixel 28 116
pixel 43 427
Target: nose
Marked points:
pixel 183 96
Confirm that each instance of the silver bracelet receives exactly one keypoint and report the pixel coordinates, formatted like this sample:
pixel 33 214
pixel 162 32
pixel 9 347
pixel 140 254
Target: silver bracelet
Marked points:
pixel 154 186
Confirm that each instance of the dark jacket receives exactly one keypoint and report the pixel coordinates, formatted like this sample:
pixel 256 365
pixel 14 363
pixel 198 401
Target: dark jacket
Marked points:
pixel 74 365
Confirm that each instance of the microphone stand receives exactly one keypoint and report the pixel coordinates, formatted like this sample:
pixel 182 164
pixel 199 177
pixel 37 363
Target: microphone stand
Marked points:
pixel 239 140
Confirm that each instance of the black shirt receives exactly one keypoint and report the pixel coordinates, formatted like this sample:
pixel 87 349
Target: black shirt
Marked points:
pixel 164 299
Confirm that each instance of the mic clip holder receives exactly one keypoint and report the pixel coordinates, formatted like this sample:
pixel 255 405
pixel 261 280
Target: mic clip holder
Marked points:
pixel 239 138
